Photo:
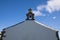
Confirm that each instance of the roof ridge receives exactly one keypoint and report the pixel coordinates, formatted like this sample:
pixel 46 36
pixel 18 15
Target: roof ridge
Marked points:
pixel 13 25
pixel 46 26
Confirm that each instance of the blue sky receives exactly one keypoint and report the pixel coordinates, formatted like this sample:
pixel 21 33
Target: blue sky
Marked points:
pixel 14 11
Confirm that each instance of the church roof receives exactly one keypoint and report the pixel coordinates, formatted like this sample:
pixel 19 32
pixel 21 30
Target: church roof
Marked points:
pixel 46 26
pixel 29 30
pixel 31 23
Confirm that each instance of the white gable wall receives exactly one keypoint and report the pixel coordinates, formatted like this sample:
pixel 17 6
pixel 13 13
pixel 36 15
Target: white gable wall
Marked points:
pixel 29 30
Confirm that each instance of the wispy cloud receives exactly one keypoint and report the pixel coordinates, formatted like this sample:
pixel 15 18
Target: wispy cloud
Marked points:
pixel 38 10
pixel 51 6
pixel 54 17
pixel 38 13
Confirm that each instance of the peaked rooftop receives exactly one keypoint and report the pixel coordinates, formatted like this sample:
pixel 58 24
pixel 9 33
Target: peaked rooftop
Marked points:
pixel 30 20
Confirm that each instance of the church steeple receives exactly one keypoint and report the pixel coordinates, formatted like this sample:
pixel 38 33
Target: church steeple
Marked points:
pixel 30 15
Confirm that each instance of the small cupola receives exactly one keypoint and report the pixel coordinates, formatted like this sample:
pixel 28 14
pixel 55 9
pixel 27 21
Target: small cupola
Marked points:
pixel 30 15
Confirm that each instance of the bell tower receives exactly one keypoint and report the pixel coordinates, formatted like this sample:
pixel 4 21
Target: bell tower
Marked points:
pixel 30 15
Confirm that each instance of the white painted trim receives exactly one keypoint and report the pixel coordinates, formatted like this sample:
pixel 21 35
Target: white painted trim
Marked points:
pixel 46 26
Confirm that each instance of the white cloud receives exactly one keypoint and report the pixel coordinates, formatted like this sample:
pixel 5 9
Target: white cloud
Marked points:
pixel 51 6
pixel 38 13
pixel 54 17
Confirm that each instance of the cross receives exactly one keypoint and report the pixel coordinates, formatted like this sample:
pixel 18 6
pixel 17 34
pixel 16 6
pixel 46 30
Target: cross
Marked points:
pixel 30 10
